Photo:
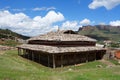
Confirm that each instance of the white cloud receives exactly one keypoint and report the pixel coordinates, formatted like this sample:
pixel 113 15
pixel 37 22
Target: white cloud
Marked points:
pixel 5 8
pixel 85 22
pixel 24 9
pixel 43 8
pixel 115 23
pixel 70 25
pixel 25 25
pixel 108 4
pixel 13 9
pixel 20 10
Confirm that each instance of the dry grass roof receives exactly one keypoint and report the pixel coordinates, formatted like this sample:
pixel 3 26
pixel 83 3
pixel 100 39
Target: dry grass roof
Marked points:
pixel 63 35
pixel 52 49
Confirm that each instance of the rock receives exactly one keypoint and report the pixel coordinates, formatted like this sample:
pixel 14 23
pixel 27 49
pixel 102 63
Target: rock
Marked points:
pixel 70 69
pixel 109 66
pixel 99 66
pixel 119 61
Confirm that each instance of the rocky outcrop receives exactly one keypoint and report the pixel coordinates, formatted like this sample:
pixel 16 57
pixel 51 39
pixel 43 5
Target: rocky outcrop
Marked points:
pixel 101 32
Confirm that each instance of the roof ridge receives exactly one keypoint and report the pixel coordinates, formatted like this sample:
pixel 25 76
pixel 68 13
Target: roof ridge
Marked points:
pixel 63 35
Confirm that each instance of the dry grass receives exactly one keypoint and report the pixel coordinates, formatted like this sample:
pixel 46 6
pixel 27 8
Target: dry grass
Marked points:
pixel 2 52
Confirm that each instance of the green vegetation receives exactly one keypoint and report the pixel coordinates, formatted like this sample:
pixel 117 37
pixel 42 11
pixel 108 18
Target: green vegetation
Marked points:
pixel 14 67
pixel 114 61
pixel 9 38
pixel 101 32
pixel 9 43
pixel 115 45
pixel 8 34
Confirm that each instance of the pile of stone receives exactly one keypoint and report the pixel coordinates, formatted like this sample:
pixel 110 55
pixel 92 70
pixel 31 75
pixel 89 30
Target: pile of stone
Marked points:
pixel 3 48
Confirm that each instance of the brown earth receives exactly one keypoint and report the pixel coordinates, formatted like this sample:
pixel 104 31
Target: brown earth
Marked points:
pixel 2 52
pixel 117 54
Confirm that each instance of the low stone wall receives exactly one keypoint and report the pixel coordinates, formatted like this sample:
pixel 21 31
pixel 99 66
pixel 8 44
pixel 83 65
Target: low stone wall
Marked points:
pixel 3 48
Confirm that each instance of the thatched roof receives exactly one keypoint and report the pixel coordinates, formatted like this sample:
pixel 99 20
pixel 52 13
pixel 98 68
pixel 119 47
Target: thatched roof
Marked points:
pixel 63 35
pixel 52 49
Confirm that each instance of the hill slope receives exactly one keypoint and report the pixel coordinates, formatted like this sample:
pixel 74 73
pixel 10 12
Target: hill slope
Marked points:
pixel 10 38
pixel 6 33
pixel 101 32
pixel 14 67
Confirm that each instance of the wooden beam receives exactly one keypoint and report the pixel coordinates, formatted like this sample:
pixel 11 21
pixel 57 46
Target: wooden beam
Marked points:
pixel 18 52
pixel 95 55
pixel 53 61
pixel 61 60
pixel 24 53
pixel 75 59
pixel 28 54
pixel 32 55
pixel 48 60
pixel 86 57
pixel 39 58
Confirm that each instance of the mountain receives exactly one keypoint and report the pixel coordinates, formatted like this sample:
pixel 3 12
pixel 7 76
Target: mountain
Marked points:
pixel 8 34
pixel 10 38
pixel 101 32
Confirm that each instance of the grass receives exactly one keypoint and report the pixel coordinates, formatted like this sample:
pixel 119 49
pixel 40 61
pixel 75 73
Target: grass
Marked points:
pixel 9 43
pixel 101 35
pixel 14 67
pixel 114 61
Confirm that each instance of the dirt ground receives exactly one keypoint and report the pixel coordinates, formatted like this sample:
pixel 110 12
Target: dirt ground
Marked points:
pixel 117 54
pixel 2 52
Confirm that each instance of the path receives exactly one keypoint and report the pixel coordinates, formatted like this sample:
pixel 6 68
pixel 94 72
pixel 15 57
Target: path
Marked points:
pixel 108 63
pixel 2 52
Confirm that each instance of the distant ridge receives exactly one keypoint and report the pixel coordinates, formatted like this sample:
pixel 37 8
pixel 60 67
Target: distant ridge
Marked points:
pixel 8 34
pixel 101 32
pixel 10 38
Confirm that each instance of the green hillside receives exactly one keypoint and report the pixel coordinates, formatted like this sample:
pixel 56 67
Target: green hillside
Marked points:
pixel 8 34
pixel 14 67
pixel 10 38
pixel 101 32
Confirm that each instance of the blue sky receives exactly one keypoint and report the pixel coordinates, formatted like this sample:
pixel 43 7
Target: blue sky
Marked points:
pixel 33 17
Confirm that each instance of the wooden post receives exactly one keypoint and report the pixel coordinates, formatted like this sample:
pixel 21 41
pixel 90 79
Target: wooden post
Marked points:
pixel 87 57
pixel 24 53
pixel 39 57
pixel 48 61
pixel 61 60
pixel 32 55
pixel 18 52
pixel 75 59
pixel 95 56
pixel 28 54
pixel 54 61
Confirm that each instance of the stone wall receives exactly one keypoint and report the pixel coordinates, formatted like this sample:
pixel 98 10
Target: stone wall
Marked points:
pixel 3 48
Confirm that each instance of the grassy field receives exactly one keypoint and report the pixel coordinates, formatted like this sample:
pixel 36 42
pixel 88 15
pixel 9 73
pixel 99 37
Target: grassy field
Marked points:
pixel 11 43
pixel 14 67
